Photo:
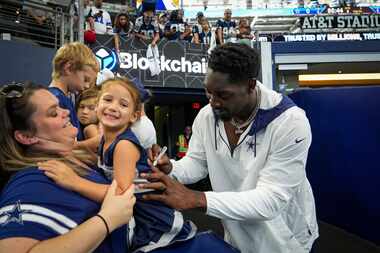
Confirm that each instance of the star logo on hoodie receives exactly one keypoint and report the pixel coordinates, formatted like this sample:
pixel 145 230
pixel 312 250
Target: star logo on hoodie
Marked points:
pixel 251 144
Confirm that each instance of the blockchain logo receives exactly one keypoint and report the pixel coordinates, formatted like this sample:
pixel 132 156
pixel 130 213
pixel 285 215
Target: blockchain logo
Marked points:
pixel 107 58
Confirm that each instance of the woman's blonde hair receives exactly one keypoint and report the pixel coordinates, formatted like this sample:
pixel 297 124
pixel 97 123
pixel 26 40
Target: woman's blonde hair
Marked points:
pixel 76 53
pixel 15 114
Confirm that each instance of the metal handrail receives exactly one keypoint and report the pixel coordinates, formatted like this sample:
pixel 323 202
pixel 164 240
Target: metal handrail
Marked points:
pixel 16 21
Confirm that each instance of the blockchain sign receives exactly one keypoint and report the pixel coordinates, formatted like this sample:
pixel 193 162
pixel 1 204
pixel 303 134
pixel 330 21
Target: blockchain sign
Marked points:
pixel 181 64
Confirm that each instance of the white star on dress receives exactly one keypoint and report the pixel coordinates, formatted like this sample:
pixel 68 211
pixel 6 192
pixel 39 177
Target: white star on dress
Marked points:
pixel 14 215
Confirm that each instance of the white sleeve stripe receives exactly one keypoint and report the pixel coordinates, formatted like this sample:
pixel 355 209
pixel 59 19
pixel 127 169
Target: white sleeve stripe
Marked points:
pixel 44 211
pixel 40 220
pixel 44 221
pixel 3 219
pixel 166 238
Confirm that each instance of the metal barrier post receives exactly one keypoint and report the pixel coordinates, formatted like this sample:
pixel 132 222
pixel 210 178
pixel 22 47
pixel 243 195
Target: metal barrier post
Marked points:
pixel 81 21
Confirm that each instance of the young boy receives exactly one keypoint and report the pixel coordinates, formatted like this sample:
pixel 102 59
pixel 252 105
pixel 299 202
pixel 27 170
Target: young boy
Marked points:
pixel 74 69
pixel 86 112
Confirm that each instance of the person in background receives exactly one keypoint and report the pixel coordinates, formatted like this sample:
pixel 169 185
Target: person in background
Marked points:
pixel 143 128
pixel 146 28
pixel 75 68
pixel 89 28
pixel 123 28
pixel 101 18
pixel 41 24
pixel 189 35
pixel 176 28
pixel 89 34
pixel 37 215
pixel 86 110
pixel 244 34
pixel 205 4
pixel 40 17
pixel 197 28
pixel 204 35
pixel 253 143
pixel 225 28
pixel 162 20
pixel 183 142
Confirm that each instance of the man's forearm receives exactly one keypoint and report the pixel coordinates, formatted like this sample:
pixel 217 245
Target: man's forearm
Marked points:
pixel 200 201
pixel 188 170
pixel 254 204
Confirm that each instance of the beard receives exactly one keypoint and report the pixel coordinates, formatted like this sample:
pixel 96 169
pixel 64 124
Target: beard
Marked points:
pixel 222 114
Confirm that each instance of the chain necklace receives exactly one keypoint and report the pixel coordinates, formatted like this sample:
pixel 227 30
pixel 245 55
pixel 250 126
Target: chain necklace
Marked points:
pixel 239 128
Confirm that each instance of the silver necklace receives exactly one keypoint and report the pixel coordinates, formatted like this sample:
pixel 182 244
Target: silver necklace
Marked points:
pixel 239 127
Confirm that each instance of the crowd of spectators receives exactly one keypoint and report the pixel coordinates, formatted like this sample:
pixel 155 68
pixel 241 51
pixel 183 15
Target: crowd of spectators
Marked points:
pixel 146 24
pixel 151 26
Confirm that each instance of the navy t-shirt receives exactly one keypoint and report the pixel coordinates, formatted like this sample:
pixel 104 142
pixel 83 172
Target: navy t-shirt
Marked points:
pixel 179 26
pixel 148 30
pixel 228 27
pixel 33 206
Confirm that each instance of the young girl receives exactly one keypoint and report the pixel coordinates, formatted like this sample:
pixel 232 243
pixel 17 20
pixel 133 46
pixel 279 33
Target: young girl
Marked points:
pixel 86 112
pixel 121 157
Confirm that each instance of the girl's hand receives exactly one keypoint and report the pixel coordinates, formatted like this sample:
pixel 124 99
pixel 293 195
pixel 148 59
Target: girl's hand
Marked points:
pixel 62 174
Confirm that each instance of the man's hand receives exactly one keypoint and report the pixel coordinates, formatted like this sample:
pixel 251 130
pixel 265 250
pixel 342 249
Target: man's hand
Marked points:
pixel 164 163
pixel 174 194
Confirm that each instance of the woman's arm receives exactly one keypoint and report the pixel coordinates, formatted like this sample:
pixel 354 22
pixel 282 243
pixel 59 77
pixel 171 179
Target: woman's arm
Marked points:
pixel 141 36
pixel 116 210
pixel 117 42
pixel 125 158
pixel 84 238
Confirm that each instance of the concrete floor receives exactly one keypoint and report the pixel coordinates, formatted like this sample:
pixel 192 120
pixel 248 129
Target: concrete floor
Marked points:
pixel 331 239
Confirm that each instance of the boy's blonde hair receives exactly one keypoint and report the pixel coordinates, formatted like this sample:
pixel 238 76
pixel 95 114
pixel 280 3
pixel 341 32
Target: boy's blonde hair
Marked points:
pixel 78 54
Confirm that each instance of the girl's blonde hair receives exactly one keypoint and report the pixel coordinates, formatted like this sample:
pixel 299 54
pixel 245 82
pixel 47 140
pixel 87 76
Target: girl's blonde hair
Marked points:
pixel 76 53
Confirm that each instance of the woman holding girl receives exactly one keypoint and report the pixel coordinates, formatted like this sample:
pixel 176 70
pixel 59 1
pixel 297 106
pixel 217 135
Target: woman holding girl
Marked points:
pixel 37 215
pixel 121 157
